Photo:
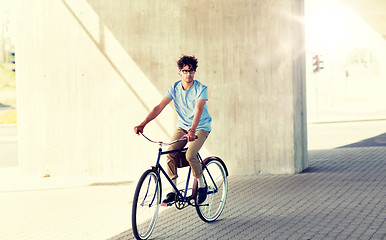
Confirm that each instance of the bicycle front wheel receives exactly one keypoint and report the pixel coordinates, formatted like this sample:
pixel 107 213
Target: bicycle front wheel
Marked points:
pixel 215 175
pixel 146 204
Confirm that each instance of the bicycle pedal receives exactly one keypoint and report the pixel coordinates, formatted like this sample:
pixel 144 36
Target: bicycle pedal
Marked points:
pixel 167 204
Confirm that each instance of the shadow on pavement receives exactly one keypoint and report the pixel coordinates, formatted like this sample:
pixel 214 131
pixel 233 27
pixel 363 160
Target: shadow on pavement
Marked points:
pixel 377 141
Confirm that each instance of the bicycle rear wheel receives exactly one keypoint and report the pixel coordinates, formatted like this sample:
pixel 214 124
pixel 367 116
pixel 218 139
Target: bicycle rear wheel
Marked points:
pixel 215 175
pixel 146 204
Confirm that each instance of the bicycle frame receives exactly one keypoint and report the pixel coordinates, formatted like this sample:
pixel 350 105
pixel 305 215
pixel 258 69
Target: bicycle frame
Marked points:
pixel 159 169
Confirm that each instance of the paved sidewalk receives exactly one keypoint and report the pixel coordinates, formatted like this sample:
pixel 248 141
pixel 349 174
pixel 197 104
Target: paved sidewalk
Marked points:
pixel 341 196
pixel 63 208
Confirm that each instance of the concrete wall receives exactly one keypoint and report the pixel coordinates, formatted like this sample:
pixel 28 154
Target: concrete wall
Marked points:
pixel 8 145
pixel 91 70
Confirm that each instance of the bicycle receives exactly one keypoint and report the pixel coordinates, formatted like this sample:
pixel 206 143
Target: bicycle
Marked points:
pixel 147 196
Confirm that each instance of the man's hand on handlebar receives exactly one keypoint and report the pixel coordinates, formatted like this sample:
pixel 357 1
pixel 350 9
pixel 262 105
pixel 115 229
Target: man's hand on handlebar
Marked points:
pixel 138 129
pixel 191 136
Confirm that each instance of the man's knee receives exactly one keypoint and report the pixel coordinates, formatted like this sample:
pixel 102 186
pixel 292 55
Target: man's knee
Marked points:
pixel 191 157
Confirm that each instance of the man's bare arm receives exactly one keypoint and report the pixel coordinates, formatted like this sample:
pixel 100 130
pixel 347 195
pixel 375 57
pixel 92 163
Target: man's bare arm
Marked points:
pixel 197 116
pixel 153 114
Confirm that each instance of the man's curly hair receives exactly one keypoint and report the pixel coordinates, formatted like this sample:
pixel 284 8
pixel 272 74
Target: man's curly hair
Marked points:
pixel 190 61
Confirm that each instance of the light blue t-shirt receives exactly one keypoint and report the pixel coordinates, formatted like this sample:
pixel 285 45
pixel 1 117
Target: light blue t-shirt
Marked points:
pixel 185 103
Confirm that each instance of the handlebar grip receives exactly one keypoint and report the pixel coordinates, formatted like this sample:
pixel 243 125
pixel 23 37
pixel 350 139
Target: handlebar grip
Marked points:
pixel 196 137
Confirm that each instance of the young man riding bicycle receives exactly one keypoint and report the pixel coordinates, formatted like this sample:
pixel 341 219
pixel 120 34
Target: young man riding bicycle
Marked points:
pixel 189 98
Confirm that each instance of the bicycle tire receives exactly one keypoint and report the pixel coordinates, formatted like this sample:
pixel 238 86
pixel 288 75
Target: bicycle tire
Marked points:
pixel 146 205
pixel 214 204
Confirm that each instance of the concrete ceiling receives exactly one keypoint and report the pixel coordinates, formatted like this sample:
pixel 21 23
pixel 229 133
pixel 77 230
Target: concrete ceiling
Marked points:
pixel 372 11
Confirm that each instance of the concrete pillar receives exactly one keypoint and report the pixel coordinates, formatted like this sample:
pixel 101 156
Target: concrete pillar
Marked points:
pixel 91 70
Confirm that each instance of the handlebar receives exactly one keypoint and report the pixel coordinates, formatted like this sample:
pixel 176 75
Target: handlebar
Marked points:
pixel 163 143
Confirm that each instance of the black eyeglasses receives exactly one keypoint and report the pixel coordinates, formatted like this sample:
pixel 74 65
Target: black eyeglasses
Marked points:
pixel 188 71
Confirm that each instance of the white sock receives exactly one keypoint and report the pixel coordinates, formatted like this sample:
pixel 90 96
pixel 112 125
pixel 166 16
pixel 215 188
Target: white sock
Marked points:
pixel 201 182
pixel 175 183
